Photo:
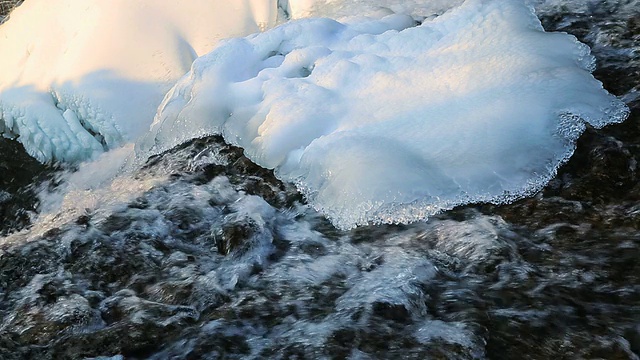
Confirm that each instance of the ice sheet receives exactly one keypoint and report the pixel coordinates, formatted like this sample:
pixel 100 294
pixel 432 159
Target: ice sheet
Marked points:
pixel 378 120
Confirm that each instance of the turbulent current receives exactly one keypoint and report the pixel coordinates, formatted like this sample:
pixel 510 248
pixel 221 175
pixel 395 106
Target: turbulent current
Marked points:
pixel 197 252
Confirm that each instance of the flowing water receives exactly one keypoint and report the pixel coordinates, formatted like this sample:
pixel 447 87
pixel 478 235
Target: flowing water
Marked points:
pixel 202 254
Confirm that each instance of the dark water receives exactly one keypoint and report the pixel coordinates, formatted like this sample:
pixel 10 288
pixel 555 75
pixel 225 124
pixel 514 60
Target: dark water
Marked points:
pixel 215 258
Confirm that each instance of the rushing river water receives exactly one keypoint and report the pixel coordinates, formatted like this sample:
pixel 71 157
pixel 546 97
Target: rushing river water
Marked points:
pixel 202 254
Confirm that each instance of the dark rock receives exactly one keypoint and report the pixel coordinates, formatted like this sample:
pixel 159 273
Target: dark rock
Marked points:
pixel 7 5
pixel 393 312
pixel 633 337
pixel 232 236
pixel 20 176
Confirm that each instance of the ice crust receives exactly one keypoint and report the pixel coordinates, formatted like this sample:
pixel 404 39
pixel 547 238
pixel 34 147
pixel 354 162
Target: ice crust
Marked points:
pixel 377 120
pixel 79 77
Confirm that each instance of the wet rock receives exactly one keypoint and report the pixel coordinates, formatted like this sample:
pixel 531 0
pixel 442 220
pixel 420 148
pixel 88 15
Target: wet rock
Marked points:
pixel 232 236
pixel 341 342
pixel 6 6
pixel 632 335
pixel 603 170
pixel 393 312
pixel 19 179
pixel 126 305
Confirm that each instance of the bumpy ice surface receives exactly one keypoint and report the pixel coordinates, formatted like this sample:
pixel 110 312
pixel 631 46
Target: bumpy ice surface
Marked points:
pixel 378 120
pixel 78 77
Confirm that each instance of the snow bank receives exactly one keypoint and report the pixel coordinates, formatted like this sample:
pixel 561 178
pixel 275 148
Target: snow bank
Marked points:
pixel 381 121
pixel 77 77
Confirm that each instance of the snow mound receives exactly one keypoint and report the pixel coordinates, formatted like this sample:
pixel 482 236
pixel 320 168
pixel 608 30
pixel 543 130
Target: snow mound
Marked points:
pixel 79 77
pixel 382 121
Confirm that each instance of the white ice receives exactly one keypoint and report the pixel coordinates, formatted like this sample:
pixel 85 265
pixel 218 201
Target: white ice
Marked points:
pixel 338 9
pixel 377 120
pixel 78 77
pixel 393 111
